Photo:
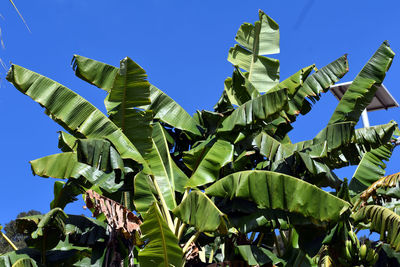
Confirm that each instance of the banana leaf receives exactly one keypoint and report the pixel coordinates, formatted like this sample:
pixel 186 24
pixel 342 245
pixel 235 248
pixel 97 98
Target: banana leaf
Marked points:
pixel 162 248
pixel 45 230
pixel 24 263
pixel 262 38
pixel 267 220
pixel 129 91
pixel 72 111
pixel 315 84
pixel 383 221
pixel 239 89
pixel 99 154
pixel 66 142
pixel 364 86
pixel 255 255
pixel 208 169
pixel 160 162
pixel 144 192
pixel 163 107
pixel 193 157
pixel 263 71
pixel 264 109
pixel 85 232
pixel 197 206
pixel 26 254
pixel 223 104
pixel 384 183
pixel 278 191
pixel 66 165
pixel 371 168
pixel 65 193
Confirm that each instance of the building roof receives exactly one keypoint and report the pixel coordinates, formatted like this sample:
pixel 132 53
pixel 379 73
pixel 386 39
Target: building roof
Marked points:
pixel 382 99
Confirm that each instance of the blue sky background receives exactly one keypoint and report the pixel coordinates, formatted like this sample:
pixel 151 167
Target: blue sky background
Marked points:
pixel 183 46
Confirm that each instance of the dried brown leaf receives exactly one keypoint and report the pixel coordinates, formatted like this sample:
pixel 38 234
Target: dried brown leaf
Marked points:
pixel 118 216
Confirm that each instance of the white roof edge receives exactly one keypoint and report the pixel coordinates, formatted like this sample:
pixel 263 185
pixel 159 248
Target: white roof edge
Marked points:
pixel 382 85
pixel 340 84
pixel 387 91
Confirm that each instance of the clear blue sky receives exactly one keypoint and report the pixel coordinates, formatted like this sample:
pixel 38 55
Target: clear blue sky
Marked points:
pixel 183 46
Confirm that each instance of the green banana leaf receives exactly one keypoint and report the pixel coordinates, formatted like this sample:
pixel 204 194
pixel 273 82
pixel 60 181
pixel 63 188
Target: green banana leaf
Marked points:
pixel 297 159
pixel 28 254
pixel 144 192
pixel 264 108
pixel 208 169
pixel 371 168
pixel 45 230
pixel 129 91
pixel 66 165
pixel 255 255
pixel 66 142
pixel 164 108
pixel 364 86
pixel 162 248
pixel 94 72
pixel 262 38
pixel 167 110
pixel 307 167
pixel 315 84
pixel 193 157
pixel 301 86
pixel 130 88
pixel 85 232
pixel 60 166
pixel 54 218
pixel 160 162
pixel 279 191
pixel 99 154
pixel 224 104
pixel 263 72
pixel 195 208
pixel 267 220
pixel 271 148
pixel 344 153
pixel 65 193
pixel 72 111
pixel 239 89
pixel 340 145
pixel 383 221
pixel 25 263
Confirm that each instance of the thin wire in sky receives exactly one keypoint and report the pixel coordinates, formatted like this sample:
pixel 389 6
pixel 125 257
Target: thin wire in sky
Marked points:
pixel 303 13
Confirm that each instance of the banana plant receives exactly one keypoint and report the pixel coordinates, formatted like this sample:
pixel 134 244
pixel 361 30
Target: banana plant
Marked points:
pixel 220 187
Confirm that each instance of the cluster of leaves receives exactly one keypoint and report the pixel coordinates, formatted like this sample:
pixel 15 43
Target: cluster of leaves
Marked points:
pixel 10 230
pixel 222 186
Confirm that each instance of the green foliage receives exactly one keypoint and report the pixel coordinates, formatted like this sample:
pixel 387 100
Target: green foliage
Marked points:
pixel 168 189
pixel 10 229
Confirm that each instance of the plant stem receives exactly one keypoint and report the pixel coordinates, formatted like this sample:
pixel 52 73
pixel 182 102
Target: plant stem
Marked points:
pixel 284 239
pixel 301 260
pixel 164 205
pixel 252 236
pixel 177 223
pixel 192 239
pixel 278 249
pixel 260 239
pixel 9 241
pixel 185 194
pixel 180 232
pixel 356 205
pixel 210 260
